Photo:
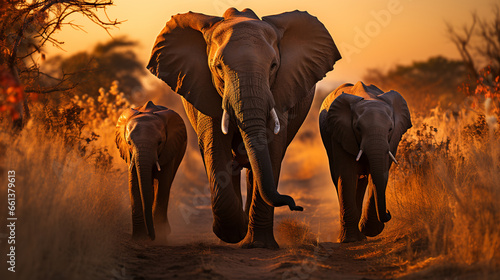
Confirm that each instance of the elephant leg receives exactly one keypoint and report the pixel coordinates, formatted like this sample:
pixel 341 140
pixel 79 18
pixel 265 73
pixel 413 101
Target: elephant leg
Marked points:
pixel 160 210
pixel 170 159
pixel 360 195
pixel 260 224
pixel 345 177
pixel 261 215
pixel 349 213
pixel 369 224
pixel 236 179
pixel 230 222
pixel 138 225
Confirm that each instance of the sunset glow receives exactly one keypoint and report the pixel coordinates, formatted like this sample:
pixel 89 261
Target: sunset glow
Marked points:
pixel 249 139
pixel 370 34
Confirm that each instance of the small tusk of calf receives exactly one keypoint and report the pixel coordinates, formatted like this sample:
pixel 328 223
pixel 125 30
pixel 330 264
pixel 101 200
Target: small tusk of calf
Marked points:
pixel 225 122
pixel 359 155
pixel 158 166
pixel 276 121
pixel 393 158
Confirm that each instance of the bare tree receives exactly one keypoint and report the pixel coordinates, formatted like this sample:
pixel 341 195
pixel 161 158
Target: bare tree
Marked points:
pixel 478 43
pixel 25 28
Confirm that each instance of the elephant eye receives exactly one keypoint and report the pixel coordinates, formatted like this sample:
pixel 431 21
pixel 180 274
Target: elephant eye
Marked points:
pixel 274 65
pixel 219 67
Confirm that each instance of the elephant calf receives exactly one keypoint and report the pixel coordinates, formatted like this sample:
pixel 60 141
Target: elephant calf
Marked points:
pixel 361 127
pixel 152 140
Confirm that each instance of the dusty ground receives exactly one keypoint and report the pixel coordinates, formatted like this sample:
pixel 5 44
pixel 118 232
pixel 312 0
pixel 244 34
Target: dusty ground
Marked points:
pixel 217 261
pixel 328 260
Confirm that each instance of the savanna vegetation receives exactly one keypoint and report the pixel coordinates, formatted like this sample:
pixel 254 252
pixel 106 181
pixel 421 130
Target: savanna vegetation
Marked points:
pixel 71 188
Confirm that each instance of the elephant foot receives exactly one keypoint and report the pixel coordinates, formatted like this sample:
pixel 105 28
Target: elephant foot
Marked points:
pixel 140 237
pixel 352 235
pixel 371 227
pixel 231 232
pixel 259 238
pixel 162 232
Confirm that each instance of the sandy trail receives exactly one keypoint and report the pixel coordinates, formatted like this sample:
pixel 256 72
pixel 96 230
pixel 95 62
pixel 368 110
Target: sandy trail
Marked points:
pixel 215 261
pixel 194 252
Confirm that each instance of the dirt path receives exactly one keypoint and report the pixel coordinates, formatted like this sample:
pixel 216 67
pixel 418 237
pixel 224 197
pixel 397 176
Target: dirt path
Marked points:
pixel 216 261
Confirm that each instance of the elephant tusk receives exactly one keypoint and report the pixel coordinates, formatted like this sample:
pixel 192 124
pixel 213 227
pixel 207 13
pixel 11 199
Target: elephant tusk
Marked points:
pixel 130 165
pixel 276 121
pixel 225 122
pixel 393 158
pixel 359 155
pixel 158 166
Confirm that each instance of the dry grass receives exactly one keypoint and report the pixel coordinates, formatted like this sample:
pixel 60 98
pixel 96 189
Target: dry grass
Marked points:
pixel 444 194
pixel 70 203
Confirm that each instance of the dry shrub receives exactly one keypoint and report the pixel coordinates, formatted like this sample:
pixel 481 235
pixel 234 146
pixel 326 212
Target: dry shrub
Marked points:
pixel 70 202
pixel 293 233
pixel 445 192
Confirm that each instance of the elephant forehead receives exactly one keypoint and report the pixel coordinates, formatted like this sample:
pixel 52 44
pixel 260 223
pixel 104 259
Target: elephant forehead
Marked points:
pixel 241 28
pixel 144 122
pixel 372 106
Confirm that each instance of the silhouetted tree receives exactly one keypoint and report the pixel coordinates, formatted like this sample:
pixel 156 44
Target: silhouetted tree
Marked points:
pixel 479 43
pixel 479 46
pixel 424 84
pixel 107 62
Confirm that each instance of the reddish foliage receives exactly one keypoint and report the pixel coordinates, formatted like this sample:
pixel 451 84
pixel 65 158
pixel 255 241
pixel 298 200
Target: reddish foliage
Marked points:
pixel 486 86
pixel 11 94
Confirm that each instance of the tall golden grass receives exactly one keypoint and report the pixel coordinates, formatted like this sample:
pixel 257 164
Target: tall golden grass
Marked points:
pixel 445 193
pixel 70 202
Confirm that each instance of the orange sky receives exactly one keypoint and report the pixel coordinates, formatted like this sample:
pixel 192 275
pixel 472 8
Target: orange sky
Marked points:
pixel 369 34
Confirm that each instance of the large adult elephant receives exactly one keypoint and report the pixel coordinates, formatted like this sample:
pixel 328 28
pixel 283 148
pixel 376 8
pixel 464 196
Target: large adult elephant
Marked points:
pixel 241 79
pixel 361 127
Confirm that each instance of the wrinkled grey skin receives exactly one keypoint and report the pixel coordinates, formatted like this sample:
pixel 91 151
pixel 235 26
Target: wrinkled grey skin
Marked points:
pixel 152 140
pixel 261 73
pixel 359 117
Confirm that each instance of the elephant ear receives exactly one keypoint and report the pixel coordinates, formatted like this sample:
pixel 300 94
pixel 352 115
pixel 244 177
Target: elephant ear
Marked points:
pixel 402 120
pixel 121 129
pixel 307 53
pixel 340 122
pixel 174 124
pixel 179 58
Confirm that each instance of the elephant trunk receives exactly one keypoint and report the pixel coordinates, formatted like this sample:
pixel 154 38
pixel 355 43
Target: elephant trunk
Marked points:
pixel 378 160
pixel 260 161
pixel 144 162
pixel 253 105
